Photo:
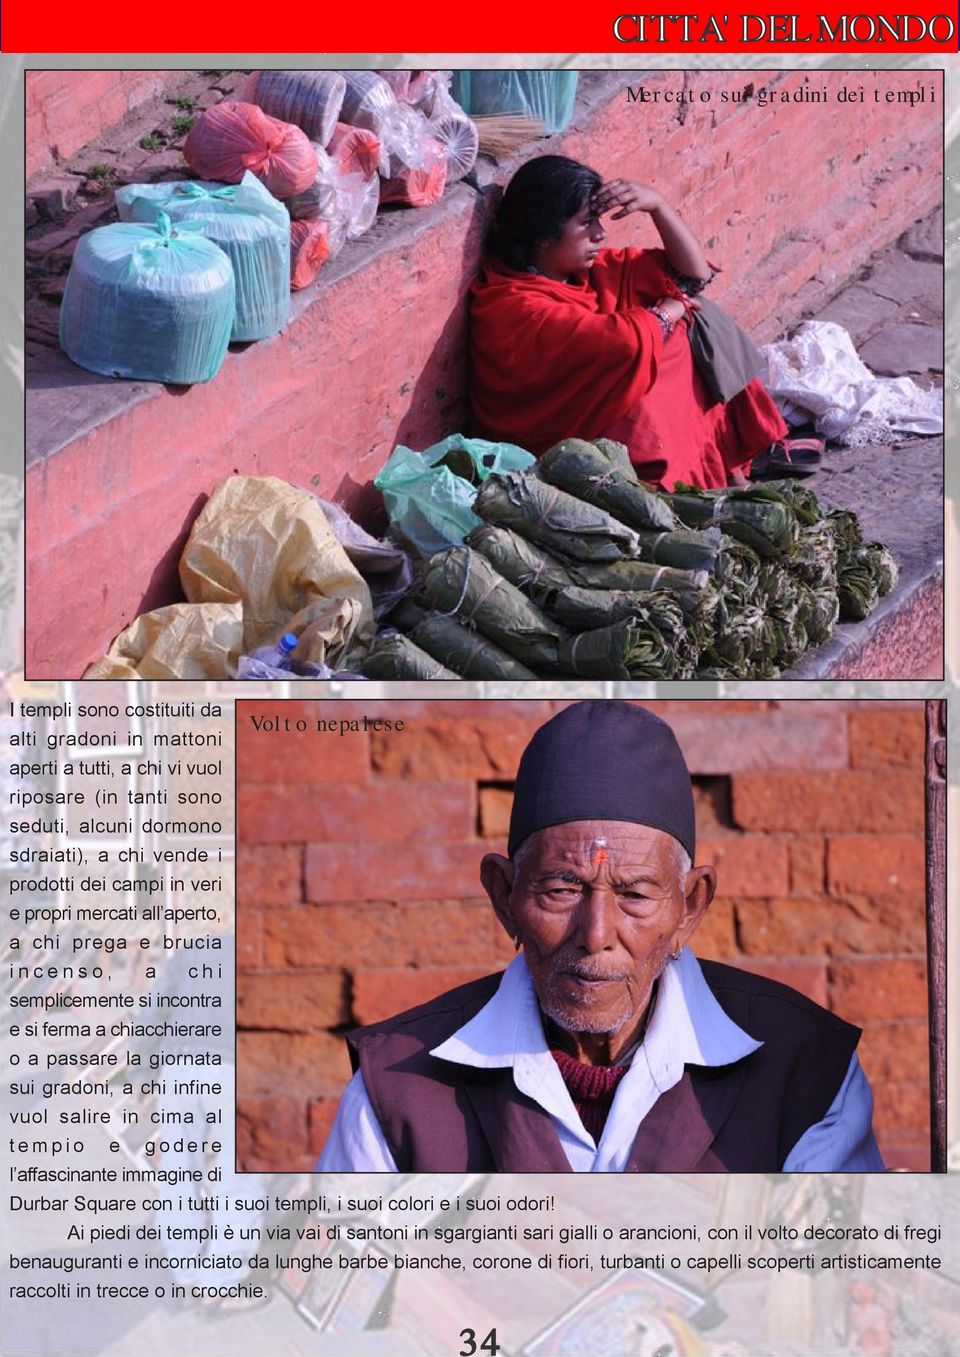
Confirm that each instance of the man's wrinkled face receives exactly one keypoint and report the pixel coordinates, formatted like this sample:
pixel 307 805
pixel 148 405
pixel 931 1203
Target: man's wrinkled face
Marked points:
pixel 599 906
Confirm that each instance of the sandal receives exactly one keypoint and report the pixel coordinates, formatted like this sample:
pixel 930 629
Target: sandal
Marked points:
pixel 797 457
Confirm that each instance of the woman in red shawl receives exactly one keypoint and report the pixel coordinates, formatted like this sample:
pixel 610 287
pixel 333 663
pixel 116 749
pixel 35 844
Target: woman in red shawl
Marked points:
pixel 570 340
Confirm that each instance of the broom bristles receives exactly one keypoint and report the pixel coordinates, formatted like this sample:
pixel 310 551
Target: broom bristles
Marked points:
pixel 502 133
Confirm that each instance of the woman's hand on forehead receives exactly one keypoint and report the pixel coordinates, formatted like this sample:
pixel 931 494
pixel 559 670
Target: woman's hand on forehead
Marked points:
pixel 626 195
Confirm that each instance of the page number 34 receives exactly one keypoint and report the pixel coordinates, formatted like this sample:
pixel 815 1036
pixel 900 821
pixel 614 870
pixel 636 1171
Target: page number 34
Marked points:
pixel 471 1346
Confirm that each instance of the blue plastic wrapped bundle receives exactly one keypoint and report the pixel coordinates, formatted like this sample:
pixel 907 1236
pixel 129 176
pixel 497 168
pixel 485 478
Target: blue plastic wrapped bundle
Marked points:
pixel 310 99
pixel 248 223
pixel 150 302
pixel 547 96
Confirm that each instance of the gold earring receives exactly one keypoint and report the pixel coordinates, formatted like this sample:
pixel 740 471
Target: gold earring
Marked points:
pixel 517 943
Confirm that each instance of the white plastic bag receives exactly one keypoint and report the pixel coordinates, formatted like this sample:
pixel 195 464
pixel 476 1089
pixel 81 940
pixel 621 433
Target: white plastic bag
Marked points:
pixel 368 101
pixel 346 202
pixel 818 370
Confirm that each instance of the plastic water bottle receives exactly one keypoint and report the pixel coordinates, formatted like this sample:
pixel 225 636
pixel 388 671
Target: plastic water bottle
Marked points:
pixel 269 662
pixel 279 655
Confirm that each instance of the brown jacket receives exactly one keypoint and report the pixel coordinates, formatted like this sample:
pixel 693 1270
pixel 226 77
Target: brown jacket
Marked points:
pixel 443 1117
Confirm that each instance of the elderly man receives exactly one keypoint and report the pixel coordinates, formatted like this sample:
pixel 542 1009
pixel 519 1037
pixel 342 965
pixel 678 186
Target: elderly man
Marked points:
pixel 605 1045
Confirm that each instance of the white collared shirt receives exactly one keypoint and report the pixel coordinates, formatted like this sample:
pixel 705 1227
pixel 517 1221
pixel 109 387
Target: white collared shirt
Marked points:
pixel 688 1025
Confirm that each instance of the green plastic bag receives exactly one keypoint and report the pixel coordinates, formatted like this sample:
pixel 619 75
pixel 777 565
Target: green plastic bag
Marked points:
pixel 429 495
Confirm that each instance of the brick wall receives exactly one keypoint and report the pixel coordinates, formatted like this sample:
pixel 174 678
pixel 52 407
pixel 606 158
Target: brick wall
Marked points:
pixel 67 109
pixel 358 894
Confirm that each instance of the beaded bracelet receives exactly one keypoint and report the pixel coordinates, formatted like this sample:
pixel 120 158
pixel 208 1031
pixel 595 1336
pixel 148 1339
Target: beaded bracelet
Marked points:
pixel 663 318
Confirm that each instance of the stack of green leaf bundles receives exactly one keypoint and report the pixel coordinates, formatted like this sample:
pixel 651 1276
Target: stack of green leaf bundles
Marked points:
pixel 579 570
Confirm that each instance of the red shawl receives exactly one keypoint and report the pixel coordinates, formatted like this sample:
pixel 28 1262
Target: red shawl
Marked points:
pixel 586 359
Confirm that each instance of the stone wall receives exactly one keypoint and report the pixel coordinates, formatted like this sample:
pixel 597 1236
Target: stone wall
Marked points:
pixel 66 110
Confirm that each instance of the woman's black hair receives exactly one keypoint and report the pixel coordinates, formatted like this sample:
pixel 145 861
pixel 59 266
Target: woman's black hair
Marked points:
pixel 536 205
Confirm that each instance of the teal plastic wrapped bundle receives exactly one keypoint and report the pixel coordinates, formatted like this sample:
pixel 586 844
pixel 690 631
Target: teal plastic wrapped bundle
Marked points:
pixel 547 96
pixel 249 224
pixel 429 495
pixel 150 302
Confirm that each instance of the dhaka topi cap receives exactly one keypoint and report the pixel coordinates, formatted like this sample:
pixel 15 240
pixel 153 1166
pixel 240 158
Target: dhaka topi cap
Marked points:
pixel 603 761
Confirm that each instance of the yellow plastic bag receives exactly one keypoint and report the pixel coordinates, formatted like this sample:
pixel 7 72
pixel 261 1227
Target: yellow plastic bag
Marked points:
pixel 267 545
pixel 182 641
pixel 261 559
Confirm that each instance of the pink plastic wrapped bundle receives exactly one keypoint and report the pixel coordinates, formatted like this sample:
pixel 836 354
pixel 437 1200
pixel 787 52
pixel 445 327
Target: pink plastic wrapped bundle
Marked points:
pixel 458 136
pixel 399 82
pixel 412 86
pixel 369 102
pixel 309 251
pixel 231 138
pixel 420 183
pixel 356 150
pixel 310 99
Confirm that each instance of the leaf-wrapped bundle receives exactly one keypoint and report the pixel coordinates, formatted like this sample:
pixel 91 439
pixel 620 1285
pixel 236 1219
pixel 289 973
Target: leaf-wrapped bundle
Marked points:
pixel 535 571
pixel 587 609
pixel 738 564
pixel 554 519
pixel 789 638
pixel 462 583
pixel 822 616
pixel 630 649
pixel 523 563
pixel 815 560
pixel 801 499
pixel 395 656
pixel 857 586
pixel 682 549
pixel 864 574
pixel 471 654
pixel 738 640
pixel 885 569
pixel 601 475
pixel 776 587
pixel 755 515
pixel 682 634
pixel 845 527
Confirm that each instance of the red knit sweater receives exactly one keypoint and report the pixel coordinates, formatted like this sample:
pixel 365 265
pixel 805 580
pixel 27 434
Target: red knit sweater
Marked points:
pixel 591 1087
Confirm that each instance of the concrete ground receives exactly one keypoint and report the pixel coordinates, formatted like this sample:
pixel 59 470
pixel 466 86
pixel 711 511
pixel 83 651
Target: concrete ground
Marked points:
pixel 893 311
